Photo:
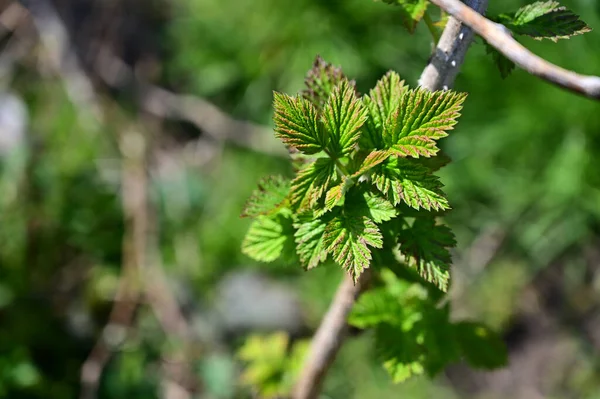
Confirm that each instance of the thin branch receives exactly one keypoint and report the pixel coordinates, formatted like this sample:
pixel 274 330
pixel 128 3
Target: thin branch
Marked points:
pixel 449 55
pixel 205 116
pixel 58 47
pixel 499 37
pixel 333 329
pixel 329 337
pixel 133 182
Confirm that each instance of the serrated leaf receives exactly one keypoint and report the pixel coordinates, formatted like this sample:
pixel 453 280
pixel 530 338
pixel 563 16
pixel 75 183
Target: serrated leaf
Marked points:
pixel 343 116
pixel 424 246
pixel 504 65
pixel 381 102
pixel 369 204
pixel 311 183
pixel 320 82
pixel 412 334
pixel 270 195
pixel 374 307
pixel 373 159
pixel 348 240
pixel 335 195
pixel 545 20
pixel 422 117
pixel 297 124
pixel 401 179
pixel 411 11
pixel 267 238
pixel 481 347
pixel 309 241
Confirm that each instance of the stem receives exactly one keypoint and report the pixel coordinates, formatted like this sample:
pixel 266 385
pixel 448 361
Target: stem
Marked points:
pixel 333 328
pixel 435 34
pixel 329 337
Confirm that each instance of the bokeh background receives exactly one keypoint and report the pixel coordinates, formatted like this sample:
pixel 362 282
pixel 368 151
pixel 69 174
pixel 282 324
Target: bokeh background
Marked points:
pixel 132 132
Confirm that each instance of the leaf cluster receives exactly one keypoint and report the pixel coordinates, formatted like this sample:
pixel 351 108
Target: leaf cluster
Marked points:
pixel 367 177
pixel 414 336
pixel 539 20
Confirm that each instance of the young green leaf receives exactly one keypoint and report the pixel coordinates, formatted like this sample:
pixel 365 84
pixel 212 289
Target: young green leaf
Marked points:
pixel 545 20
pixel 297 124
pixel 347 238
pixel 312 182
pixel 267 237
pixel 381 102
pixel 309 241
pixel 335 194
pixel 343 116
pixel 481 347
pixel 424 246
pixel 320 81
pixel 268 198
pixel 371 205
pixel 411 11
pixel 402 180
pixel 373 159
pixel 422 117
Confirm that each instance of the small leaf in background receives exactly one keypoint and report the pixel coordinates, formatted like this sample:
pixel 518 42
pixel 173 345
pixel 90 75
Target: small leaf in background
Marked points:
pixel 268 197
pixel 411 11
pixel 312 182
pixel 504 65
pixel 403 180
pixel 267 238
pixel 297 124
pixel 481 347
pixel 381 102
pixel 343 116
pixel 347 238
pixel 545 20
pixel 422 117
pixel 271 365
pixel 424 246
pixel 320 82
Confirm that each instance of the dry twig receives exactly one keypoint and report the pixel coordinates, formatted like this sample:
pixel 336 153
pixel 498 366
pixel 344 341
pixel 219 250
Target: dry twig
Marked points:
pixel 499 37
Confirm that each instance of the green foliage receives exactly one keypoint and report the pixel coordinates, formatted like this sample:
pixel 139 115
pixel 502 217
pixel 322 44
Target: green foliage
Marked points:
pixel 272 363
pixel 545 20
pixel 348 237
pixel 411 11
pixel 366 168
pixel 424 246
pixel 268 198
pixel 539 20
pixel 413 335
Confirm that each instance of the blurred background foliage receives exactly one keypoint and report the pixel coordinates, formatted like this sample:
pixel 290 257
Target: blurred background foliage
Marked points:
pixel 524 185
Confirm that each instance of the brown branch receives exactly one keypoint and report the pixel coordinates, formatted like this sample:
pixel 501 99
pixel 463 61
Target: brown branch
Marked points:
pixel 450 52
pixel 333 329
pixel 134 200
pixel 499 37
pixel 329 337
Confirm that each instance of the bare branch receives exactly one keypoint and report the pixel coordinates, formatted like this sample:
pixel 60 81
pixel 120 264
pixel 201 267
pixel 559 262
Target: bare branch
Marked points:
pixel 329 337
pixel 207 117
pixel 450 52
pixel 499 37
